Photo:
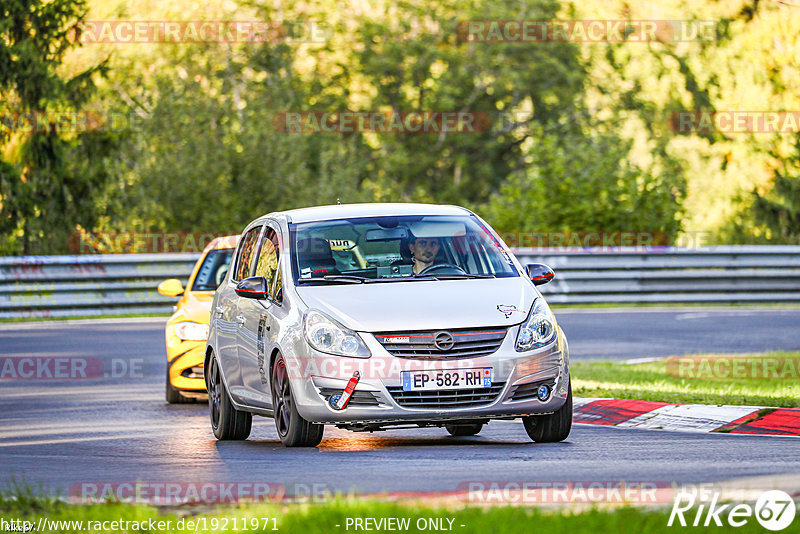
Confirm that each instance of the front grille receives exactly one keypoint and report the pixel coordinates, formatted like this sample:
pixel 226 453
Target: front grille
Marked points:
pixel 448 398
pixel 359 398
pixel 528 391
pixel 193 372
pixel 467 343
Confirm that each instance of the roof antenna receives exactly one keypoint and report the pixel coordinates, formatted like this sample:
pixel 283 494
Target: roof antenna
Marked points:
pixel 338 202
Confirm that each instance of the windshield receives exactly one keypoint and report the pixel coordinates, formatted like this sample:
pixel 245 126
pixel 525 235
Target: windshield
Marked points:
pixel 213 270
pixel 400 248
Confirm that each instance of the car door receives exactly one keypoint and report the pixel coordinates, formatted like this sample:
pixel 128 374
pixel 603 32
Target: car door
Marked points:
pixel 226 311
pixel 256 335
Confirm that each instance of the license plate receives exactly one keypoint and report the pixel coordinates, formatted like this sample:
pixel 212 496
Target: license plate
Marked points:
pixel 447 379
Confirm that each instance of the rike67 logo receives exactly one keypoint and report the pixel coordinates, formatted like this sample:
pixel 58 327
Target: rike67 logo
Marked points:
pixel 774 510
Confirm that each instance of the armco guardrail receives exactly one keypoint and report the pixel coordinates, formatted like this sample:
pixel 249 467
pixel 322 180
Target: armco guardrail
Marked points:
pixel 664 274
pixel 62 286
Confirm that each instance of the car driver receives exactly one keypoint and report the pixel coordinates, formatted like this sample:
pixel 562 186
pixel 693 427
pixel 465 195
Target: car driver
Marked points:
pixel 423 252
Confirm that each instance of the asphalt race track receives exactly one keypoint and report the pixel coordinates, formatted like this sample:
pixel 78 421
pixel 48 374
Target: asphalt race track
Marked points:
pixel 625 334
pixel 55 434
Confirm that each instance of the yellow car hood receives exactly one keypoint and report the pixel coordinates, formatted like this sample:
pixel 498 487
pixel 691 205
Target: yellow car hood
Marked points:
pixel 195 306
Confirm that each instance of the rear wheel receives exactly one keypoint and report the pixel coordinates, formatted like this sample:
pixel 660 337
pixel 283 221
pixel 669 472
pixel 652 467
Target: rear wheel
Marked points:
pixel 293 430
pixel 227 422
pixel 464 430
pixel 173 395
pixel 552 427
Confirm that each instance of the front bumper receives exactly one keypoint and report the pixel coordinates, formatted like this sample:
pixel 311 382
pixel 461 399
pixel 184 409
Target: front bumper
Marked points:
pixel 379 398
pixel 185 361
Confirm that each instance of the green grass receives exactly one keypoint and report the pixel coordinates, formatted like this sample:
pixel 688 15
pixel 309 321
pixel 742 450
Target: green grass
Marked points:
pixel 650 381
pixel 332 517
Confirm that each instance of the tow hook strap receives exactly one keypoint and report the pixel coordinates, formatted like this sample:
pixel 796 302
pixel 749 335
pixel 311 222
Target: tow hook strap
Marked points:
pixel 339 402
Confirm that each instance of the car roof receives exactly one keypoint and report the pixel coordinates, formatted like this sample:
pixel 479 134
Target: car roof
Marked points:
pixel 341 211
pixel 228 241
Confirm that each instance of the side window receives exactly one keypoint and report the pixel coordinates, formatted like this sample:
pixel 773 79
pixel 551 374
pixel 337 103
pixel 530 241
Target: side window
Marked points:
pixel 278 291
pixel 267 265
pixel 244 261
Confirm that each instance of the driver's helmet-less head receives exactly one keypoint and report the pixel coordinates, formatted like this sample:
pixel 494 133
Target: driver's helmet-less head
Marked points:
pixel 426 249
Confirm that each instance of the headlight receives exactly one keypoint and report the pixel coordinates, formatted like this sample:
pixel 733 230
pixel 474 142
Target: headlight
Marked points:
pixel 326 335
pixel 539 329
pixel 189 331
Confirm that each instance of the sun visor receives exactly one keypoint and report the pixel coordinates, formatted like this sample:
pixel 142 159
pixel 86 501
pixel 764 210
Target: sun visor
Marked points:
pixel 437 229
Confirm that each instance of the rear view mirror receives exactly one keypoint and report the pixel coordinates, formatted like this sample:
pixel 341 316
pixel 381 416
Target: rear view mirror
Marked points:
pixel 386 234
pixel 539 273
pixel 171 287
pixel 254 287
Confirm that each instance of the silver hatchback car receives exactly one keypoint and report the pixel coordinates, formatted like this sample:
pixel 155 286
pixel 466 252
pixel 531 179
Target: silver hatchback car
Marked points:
pixel 379 316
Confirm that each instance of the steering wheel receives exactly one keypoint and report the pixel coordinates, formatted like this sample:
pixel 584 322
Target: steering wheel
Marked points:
pixel 439 266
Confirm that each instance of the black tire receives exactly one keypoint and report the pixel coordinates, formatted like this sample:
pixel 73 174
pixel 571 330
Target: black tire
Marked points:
pixel 464 430
pixel 552 427
pixel 173 395
pixel 227 422
pixel 293 430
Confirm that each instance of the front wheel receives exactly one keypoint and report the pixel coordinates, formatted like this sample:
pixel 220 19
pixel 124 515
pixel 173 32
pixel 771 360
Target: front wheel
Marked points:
pixel 293 430
pixel 173 395
pixel 552 427
pixel 227 422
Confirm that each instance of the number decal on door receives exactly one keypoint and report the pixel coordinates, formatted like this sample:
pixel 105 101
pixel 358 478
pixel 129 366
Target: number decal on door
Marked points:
pixel 262 322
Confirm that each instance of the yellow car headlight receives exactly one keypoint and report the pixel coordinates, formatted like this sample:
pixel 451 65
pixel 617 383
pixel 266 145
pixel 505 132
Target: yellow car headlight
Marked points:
pixel 189 331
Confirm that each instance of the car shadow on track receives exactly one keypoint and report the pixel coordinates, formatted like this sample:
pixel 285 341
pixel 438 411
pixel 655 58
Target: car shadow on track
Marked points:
pixel 370 443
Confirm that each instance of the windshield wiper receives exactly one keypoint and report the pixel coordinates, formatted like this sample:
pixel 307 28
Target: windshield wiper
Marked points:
pixel 336 278
pixel 414 278
pixel 458 276
pixel 355 279
pixel 429 277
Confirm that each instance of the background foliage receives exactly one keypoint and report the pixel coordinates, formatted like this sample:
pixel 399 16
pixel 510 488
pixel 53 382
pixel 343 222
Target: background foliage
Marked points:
pixel 580 137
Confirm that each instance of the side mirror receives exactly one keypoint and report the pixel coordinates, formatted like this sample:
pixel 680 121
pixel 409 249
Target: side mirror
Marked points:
pixel 539 273
pixel 171 287
pixel 254 287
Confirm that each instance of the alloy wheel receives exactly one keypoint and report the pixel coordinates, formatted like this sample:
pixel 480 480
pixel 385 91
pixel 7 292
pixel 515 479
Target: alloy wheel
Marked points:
pixel 282 394
pixel 214 393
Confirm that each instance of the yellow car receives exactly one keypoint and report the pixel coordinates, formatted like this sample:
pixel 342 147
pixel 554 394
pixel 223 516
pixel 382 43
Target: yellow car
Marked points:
pixel 187 329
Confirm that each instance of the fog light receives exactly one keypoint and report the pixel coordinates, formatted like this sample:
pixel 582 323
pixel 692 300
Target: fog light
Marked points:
pixel 543 393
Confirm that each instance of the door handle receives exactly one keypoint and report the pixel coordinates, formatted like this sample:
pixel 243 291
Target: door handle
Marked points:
pixel 240 319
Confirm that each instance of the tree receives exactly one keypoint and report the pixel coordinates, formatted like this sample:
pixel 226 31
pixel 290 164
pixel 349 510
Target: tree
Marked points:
pixel 584 182
pixel 419 59
pixel 779 208
pixel 46 187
